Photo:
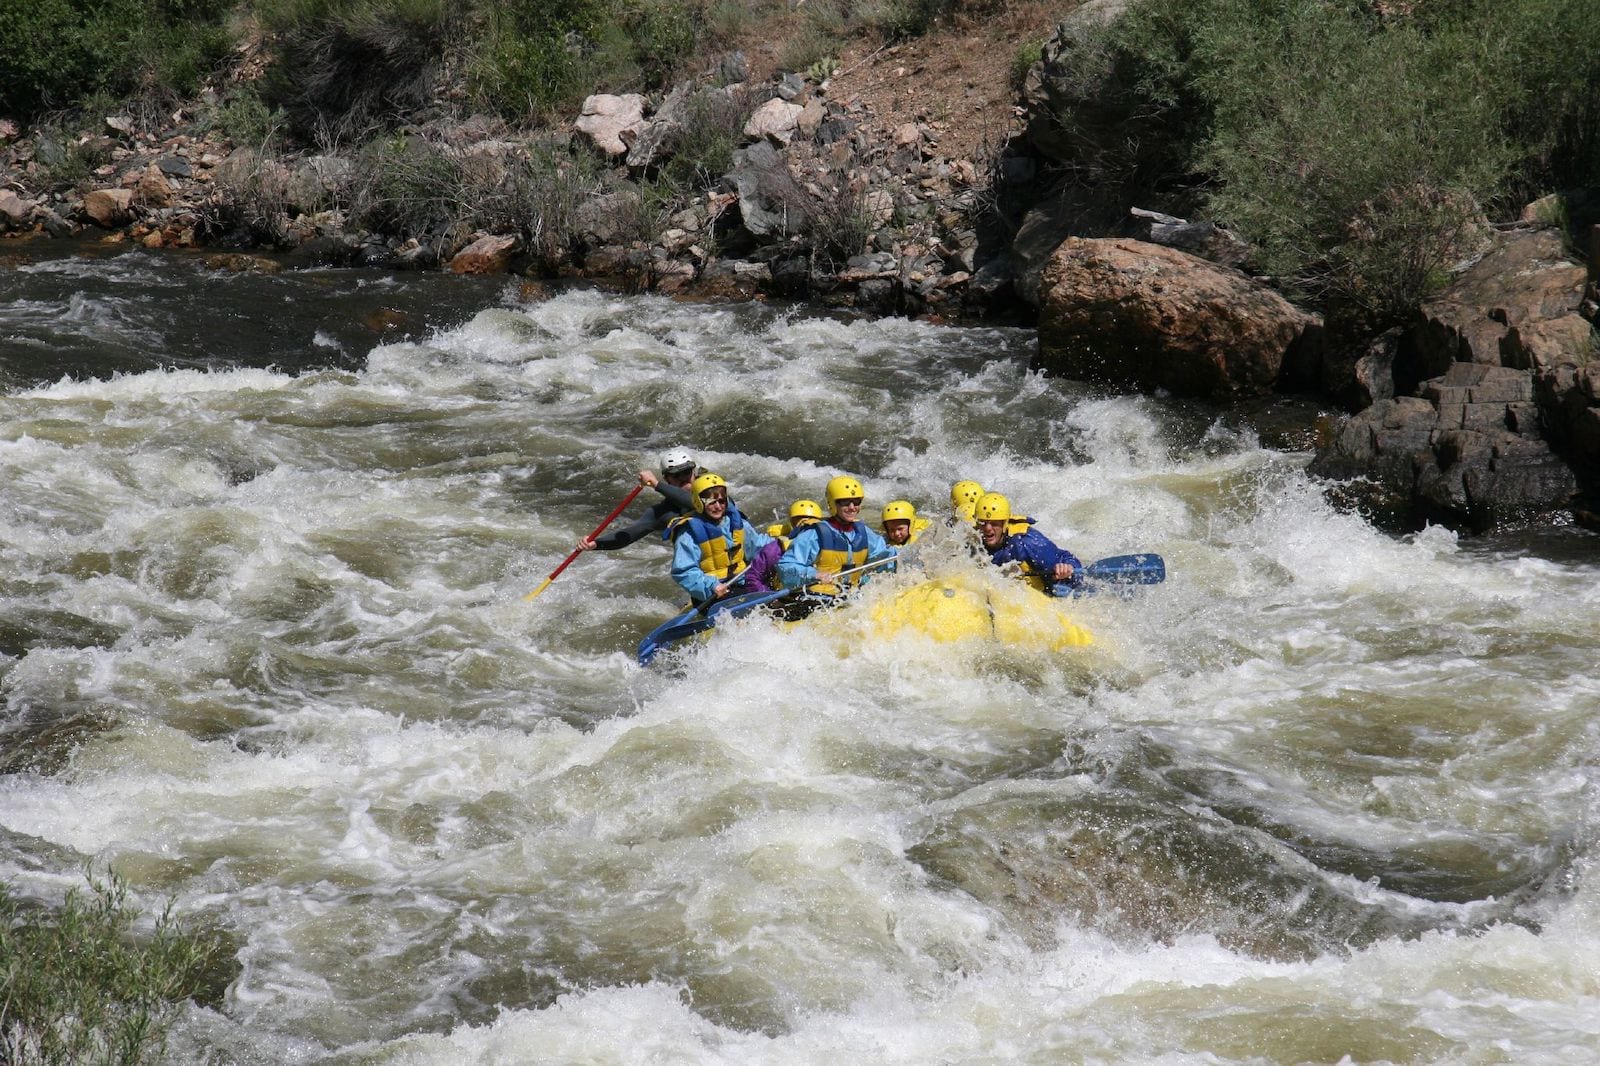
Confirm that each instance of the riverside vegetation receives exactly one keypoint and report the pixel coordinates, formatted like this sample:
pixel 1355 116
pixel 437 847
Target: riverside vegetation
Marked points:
pixel 80 984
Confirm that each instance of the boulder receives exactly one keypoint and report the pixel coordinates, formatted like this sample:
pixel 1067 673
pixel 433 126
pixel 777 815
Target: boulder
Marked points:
pixel 489 254
pixel 611 122
pixel 1526 279
pixel 1467 453
pixel 1124 312
pixel 776 120
pixel 14 210
pixel 109 208
pixel 1074 77
pixel 1501 419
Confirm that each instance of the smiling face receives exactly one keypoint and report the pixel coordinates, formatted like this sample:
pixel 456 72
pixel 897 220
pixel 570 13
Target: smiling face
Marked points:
pixel 848 509
pixel 993 534
pixel 715 501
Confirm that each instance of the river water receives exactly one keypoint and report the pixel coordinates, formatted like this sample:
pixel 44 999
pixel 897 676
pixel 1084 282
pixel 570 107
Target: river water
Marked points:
pixel 1326 794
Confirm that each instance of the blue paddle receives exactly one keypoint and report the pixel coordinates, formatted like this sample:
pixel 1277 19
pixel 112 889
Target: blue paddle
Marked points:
pixel 1146 568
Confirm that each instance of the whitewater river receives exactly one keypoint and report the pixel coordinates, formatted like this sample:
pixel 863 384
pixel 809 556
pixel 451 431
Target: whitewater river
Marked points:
pixel 1327 794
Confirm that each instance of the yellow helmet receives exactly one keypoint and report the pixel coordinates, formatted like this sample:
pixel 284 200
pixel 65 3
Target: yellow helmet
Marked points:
pixel 804 509
pixel 993 507
pixel 702 484
pixel 899 509
pixel 964 495
pixel 844 488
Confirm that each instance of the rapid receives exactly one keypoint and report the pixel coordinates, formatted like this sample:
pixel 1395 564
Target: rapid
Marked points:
pixel 1327 794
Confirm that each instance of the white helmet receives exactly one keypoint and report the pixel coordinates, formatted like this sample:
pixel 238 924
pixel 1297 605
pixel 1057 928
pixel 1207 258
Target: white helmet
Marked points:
pixel 676 461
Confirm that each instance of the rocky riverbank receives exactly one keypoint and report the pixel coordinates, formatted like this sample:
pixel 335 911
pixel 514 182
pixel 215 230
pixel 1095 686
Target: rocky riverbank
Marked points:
pixel 911 180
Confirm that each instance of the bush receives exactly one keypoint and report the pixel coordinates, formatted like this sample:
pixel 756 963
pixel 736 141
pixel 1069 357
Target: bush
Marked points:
pixel 702 150
pixel 1354 145
pixel 535 58
pixel 58 51
pixel 346 69
pixel 77 985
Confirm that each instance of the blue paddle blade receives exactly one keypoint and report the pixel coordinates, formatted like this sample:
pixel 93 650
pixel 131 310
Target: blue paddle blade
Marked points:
pixel 1118 571
pixel 1146 568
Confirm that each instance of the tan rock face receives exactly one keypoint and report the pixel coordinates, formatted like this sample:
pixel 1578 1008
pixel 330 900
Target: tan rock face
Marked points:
pixel 108 208
pixel 1123 312
pixel 612 122
pixel 486 255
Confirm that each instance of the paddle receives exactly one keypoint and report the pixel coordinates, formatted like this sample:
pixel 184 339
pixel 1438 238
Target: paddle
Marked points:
pixel 1146 568
pixel 579 551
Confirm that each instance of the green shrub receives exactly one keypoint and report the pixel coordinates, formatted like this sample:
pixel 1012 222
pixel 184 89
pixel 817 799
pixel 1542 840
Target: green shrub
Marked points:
pixel 534 59
pixel 57 51
pixel 78 985
pixel 345 69
pixel 702 150
pixel 1356 146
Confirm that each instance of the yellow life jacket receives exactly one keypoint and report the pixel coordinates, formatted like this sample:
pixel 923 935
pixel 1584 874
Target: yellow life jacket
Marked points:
pixel 716 557
pixel 838 551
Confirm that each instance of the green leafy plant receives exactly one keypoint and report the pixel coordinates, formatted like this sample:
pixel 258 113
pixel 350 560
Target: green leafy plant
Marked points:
pixel 81 984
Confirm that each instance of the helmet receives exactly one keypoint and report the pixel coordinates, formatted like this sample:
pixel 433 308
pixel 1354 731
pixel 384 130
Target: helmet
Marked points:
pixel 993 507
pixel 844 488
pixel 897 510
pixel 676 461
pixel 804 509
pixel 964 494
pixel 701 484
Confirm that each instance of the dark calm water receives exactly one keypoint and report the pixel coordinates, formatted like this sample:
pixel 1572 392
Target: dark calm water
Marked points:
pixel 1323 796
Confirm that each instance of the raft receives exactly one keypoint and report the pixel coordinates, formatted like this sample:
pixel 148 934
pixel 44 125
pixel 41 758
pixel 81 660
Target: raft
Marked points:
pixel 966 607
pixel 961 606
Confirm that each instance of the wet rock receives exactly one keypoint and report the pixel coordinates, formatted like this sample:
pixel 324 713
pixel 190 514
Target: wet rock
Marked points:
pixel 1503 424
pixel 1125 312
pixel 1141 870
pixel 1467 453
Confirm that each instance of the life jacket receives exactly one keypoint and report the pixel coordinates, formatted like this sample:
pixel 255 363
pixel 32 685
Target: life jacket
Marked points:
pixel 1031 577
pixel 784 532
pixel 716 558
pixel 838 551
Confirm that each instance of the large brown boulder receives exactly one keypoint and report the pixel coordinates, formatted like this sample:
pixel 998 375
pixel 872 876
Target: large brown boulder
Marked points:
pixel 1124 312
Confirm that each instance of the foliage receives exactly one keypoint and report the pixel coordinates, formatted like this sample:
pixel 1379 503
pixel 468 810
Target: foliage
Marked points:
pixel 247 120
pixel 57 51
pixel 344 69
pixel 435 193
pixel 702 149
pixel 535 57
pixel 1354 144
pixel 78 985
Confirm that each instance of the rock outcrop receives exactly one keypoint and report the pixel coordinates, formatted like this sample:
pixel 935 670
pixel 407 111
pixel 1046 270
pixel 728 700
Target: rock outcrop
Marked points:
pixel 1495 408
pixel 1124 312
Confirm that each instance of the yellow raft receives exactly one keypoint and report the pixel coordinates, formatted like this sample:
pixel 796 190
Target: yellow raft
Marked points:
pixel 965 606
